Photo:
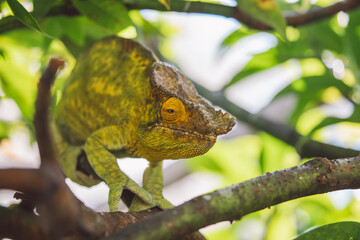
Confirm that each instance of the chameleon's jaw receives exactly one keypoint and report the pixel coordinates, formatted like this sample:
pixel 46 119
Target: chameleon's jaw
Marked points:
pixel 190 135
pixel 161 142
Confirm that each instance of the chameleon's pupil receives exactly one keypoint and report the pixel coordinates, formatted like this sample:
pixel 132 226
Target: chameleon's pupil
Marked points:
pixel 171 111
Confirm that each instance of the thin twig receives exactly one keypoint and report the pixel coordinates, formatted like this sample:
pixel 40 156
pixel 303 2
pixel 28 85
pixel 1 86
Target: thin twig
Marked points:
pixel 292 18
pixel 28 181
pixel 41 118
pixel 315 14
pixel 306 147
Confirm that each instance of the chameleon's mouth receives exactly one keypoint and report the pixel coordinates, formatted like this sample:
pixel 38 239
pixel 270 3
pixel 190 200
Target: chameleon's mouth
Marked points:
pixel 190 135
pixel 165 141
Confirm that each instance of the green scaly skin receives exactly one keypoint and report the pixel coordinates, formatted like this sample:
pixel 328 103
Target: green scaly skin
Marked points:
pixel 121 101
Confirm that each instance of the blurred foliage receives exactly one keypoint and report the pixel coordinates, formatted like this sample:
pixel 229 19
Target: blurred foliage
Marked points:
pixel 344 230
pixel 327 52
pixel 265 11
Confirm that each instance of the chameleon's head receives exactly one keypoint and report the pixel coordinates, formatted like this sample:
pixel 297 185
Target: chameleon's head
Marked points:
pixel 186 125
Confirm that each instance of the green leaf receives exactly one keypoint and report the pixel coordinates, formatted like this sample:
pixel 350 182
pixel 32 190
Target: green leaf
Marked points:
pixel 143 26
pixel 327 122
pixel 236 35
pixel 2 53
pixel 275 154
pixel 61 26
pixel 308 91
pixel 42 7
pixel 220 159
pixel 355 117
pixel 5 128
pixel 165 3
pixel 258 63
pixel 351 43
pixel 92 32
pixel 321 36
pixel 110 14
pixel 334 231
pixel 297 49
pixel 19 85
pixel 23 15
pixel 265 11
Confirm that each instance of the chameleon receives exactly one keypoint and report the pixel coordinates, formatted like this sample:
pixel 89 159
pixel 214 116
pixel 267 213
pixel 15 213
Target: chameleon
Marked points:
pixel 121 101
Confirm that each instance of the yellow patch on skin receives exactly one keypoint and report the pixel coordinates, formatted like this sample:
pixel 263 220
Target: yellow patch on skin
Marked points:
pixel 113 43
pixel 101 86
pixel 73 86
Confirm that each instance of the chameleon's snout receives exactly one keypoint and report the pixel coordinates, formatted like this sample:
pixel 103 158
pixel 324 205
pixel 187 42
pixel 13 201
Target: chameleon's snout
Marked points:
pixel 215 122
pixel 223 123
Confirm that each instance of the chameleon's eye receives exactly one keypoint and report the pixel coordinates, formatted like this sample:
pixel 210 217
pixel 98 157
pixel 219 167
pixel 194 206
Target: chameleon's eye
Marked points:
pixel 173 110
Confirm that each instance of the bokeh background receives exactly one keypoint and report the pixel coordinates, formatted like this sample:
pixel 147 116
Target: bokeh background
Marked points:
pixel 309 82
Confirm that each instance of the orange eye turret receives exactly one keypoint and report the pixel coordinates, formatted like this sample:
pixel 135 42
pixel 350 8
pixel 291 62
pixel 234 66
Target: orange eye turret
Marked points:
pixel 173 110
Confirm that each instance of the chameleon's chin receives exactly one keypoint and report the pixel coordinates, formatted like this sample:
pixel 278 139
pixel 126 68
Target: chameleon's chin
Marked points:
pixel 162 142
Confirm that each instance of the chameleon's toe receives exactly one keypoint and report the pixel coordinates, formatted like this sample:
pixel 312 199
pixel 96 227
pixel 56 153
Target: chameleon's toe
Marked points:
pixel 115 192
pixel 116 189
pixel 158 201
pixel 165 204
pixel 140 192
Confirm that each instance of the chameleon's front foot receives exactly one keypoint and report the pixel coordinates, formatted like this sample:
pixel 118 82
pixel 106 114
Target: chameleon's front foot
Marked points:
pixel 116 189
pixel 153 183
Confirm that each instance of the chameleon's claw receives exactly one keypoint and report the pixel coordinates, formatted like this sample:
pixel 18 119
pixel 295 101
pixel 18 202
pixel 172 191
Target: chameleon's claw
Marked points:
pixel 137 205
pixel 139 191
pixel 116 189
pixel 115 192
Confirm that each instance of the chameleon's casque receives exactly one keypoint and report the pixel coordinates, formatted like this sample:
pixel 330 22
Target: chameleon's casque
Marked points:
pixel 121 101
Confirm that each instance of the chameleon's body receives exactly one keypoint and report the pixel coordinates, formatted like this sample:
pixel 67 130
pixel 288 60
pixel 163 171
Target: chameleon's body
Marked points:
pixel 121 101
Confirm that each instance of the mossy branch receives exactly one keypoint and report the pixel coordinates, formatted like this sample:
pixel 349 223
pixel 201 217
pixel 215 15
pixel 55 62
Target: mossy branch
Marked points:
pixel 314 177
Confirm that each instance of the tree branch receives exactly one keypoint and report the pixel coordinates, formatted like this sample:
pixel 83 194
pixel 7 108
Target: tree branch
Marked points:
pixel 314 177
pixel 300 19
pixel 316 14
pixel 305 146
pixel 292 18
pixel 13 224
pixel 28 181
